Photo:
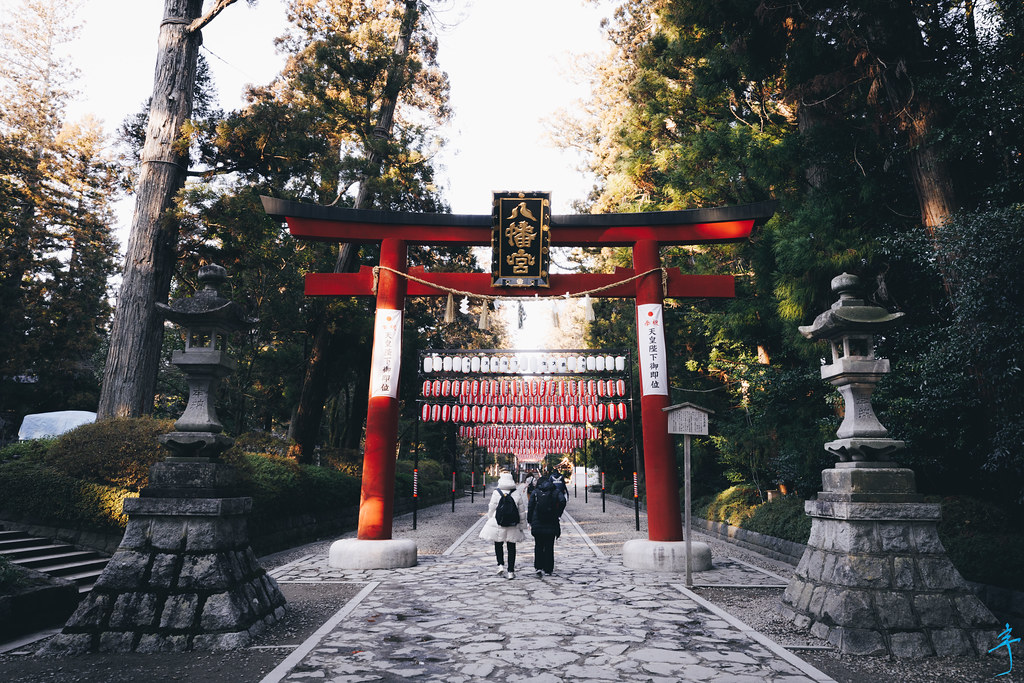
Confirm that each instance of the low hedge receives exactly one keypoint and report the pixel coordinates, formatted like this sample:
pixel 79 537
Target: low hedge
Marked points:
pixel 783 518
pixel 33 491
pixel 116 452
pixel 733 505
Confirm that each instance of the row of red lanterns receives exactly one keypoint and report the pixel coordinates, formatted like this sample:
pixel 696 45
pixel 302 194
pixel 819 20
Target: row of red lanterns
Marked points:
pixel 445 412
pixel 497 446
pixel 517 392
pixel 528 433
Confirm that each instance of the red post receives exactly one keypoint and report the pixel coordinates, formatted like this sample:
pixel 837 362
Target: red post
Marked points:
pixel 376 502
pixel 662 480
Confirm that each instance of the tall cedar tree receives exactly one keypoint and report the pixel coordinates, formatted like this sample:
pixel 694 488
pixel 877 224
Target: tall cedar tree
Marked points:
pixel 868 120
pixel 56 248
pixel 129 376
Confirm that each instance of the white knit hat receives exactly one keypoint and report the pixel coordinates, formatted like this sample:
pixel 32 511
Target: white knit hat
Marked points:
pixel 505 482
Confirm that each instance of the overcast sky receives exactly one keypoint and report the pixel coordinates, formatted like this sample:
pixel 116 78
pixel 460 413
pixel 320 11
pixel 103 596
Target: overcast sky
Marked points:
pixel 495 144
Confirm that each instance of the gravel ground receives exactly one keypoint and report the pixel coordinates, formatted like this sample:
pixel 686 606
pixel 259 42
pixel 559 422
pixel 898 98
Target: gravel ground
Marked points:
pixel 310 605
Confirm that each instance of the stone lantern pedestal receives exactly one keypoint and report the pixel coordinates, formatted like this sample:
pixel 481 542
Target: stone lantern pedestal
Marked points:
pixel 875 578
pixel 184 577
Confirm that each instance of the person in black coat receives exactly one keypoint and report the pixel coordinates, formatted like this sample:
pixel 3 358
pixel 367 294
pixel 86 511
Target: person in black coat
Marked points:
pixel 546 506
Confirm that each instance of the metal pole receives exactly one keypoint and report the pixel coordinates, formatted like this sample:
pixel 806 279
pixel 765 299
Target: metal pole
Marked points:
pixel 636 452
pixel 575 493
pixel 454 448
pixel 415 469
pixel 603 509
pixel 686 503
pixel 586 477
pixel 472 467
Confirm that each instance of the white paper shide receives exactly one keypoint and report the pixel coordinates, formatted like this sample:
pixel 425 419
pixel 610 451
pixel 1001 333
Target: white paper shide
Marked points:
pixel 650 332
pixel 387 352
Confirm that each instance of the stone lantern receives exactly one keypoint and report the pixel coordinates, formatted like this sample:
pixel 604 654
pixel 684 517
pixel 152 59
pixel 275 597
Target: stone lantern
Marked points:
pixel 207 319
pixel 849 327
pixel 875 578
pixel 184 576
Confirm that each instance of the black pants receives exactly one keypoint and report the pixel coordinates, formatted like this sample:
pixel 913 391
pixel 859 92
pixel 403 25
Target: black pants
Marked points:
pixel 499 553
pixel 544 552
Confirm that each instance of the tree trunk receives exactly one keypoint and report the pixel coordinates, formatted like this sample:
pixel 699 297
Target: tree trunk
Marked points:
pixel 129 379
pixel 305 428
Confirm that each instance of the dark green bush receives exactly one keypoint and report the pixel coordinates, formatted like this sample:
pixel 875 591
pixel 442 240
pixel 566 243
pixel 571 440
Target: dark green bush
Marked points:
pixel 33 491
pixel 281 487
pixel 783 517
pixel 35 448
pixel 733 505
pixel 115 452
pixel 984 542
pixel 265 443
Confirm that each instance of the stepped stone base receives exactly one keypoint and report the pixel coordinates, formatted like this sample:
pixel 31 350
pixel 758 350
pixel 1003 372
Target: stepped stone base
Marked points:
pixel 875 579
pixel 184 577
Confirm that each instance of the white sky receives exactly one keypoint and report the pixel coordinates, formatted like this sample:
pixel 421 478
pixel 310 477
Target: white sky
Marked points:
pixel 492 48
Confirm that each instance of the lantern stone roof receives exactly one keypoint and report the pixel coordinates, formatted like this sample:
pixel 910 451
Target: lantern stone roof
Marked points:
pixel 849 314
pixel 207 308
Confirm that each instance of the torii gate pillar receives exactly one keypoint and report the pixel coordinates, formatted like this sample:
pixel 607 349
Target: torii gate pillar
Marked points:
pixel 374 548
pixel 663 511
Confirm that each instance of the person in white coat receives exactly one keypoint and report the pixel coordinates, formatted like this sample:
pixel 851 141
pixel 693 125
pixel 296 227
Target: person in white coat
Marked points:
pixel 503 536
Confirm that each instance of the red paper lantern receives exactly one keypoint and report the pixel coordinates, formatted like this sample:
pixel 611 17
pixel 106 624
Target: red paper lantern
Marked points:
pixel 426 388
pixel 600 412
pixel 620 387
pixel 425 412
pixel 621 410
pixel 435 413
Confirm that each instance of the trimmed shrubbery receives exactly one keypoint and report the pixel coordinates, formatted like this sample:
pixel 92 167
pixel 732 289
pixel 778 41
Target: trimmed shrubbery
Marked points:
pixel 80 480
pixel 30 490
pixel 115 452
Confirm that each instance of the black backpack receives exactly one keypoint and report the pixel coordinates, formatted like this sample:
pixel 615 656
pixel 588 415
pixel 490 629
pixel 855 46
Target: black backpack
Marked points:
pixel 507 512
pixel 545 509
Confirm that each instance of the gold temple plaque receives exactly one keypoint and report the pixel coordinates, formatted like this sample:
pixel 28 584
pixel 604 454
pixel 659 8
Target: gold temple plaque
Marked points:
pixel 520 239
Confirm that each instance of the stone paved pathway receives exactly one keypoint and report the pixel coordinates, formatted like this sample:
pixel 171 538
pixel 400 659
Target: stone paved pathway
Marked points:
pixel 452 618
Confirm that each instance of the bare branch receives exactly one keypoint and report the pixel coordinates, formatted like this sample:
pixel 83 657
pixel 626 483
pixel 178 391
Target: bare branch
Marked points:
pixel 209 16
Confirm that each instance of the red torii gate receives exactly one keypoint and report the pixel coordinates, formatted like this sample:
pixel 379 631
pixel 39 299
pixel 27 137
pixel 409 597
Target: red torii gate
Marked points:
pixel 644 232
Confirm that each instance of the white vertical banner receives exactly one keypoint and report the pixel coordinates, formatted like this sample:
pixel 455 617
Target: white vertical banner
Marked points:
pixel 387 353
pixel 650 335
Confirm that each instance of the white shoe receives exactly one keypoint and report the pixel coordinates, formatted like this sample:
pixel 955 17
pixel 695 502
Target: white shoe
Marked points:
pixel 540 574
pixel 510 575
pixel 501 570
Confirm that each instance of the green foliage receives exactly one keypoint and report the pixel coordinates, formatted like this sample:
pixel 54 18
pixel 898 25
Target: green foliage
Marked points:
pixel 280 487
pixel 57 185
pixel 733 505
pixel 984 542
pixel 783 517
pixel 30 490
pixel 32 449
pixel 116 452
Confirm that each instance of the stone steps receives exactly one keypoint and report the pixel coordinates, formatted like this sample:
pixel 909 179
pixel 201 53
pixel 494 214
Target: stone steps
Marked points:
pixel 82 567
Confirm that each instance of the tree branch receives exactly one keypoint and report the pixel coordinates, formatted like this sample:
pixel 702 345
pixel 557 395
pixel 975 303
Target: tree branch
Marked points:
pixel 209 16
